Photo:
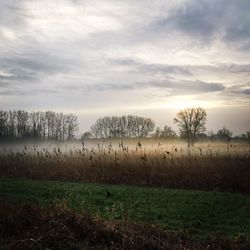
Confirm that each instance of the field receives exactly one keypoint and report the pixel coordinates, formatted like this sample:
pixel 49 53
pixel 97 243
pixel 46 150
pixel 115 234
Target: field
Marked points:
pixel 199 195
pixel 152 163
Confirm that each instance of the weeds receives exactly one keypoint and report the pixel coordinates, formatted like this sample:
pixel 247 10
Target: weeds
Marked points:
pixel 202 168
pixel 58 227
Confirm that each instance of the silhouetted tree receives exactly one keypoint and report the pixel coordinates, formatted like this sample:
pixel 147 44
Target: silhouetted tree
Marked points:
pixel 211 134
pixel 12 124
pixel 124 126
pixel 72 125
pixel 248 136
pixel 224 133
pixel 158 132
pixel 167 132
pixel 3 123
pixel 22 123
pixel 86 135
pixel 34 119
pixel 43 125
pixel 191 122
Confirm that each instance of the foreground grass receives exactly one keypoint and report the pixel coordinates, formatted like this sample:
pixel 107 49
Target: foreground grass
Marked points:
pixel 201 214
pixel 58 227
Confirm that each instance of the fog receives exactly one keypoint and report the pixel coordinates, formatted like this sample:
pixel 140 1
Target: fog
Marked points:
pixel 171 147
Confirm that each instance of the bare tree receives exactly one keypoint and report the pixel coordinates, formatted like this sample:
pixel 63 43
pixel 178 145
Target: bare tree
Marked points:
pixel 4 115
pixel 86 135
pixel 72 125
pixel 12 123
pixel 34 118
pixel 224 133
pixel 122 126
pixel 191 122
pixel 44 125
pixel 248 136
pixel 59 126
pixel 167 132
pixel 158 132
pixel 22 123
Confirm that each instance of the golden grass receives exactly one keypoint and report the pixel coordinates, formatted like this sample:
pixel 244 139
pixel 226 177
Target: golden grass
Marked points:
pixel 208 166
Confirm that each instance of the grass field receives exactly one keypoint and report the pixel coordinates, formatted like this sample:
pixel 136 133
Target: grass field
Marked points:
pixel 28 226
pixel 201 214
pixel 156 194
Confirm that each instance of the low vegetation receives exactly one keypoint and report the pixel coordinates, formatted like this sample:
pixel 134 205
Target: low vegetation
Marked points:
pixel 146 202
pixel 152 163
pixel 32 227
pixel 198 214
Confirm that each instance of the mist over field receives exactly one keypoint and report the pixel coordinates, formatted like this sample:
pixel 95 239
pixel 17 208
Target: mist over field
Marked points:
pixel 176 147
pixel 125 124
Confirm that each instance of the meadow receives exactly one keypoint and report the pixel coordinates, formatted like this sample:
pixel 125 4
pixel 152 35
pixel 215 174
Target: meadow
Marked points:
pixel 130 194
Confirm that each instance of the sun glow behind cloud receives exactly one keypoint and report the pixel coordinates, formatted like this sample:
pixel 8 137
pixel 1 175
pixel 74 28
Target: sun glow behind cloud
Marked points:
pixel 186 102
pixel 178 103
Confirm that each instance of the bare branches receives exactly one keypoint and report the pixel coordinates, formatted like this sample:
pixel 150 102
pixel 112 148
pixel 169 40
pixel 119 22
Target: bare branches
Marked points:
pixel 191 122
pixel 41 125
pixel 124 126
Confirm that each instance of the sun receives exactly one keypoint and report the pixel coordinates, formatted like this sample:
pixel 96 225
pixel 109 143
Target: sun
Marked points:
pixel 184 102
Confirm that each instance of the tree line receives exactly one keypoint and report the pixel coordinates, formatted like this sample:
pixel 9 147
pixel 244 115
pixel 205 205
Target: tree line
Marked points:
pixel 19 124
pixel 58 126
pixel 122 126
pixel 191 123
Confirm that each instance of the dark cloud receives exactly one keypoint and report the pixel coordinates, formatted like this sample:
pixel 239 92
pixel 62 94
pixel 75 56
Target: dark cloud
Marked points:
pixel 168 69
pixel 187 87
pixel 153 68
pixel 28 92
pixel 225 68
pixel 31 68
pixel 124 61
pixel 246 91
pixel 236 68
pixel 184 70
pixel 207 19
pixel 99 87
pixel 173 87
pixel 192 19
pixel 110 86
pixel 238 90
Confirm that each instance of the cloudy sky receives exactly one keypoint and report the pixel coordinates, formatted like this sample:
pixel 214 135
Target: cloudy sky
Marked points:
pixel 114 57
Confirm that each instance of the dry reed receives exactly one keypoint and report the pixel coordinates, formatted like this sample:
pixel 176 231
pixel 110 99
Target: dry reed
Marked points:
pixel 202 168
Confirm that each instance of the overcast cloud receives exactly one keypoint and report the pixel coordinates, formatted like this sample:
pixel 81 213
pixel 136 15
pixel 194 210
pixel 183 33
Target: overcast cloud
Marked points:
pixel 119 57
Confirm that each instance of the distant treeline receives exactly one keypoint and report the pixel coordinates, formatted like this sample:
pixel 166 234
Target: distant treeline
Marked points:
pixel 122 126
pixel 41 125
pixel 20 124
pixel 135 127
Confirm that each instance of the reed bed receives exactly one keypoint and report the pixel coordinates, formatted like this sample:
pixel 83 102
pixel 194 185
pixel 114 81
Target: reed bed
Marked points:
pixel 199 168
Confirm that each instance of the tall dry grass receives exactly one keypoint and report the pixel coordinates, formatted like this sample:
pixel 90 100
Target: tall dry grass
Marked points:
pixel 201 168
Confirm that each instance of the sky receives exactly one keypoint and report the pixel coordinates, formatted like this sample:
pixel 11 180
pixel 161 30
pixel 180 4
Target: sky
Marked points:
pixel 115 57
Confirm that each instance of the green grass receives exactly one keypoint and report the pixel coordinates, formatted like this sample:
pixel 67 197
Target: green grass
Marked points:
pixel 202 214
